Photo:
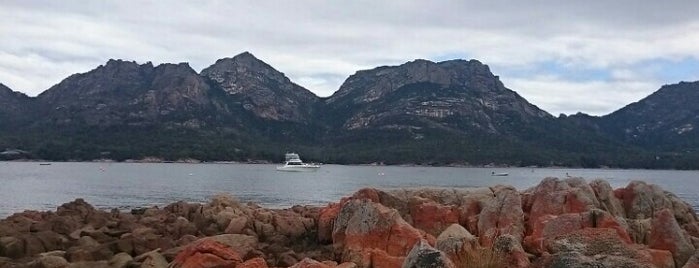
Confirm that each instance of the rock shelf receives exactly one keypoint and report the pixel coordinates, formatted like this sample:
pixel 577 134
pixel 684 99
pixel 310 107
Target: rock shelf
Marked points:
pixel 558 223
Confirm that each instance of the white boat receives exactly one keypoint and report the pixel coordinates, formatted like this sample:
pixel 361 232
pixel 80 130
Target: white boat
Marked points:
pixel 499 174
pixel 293 163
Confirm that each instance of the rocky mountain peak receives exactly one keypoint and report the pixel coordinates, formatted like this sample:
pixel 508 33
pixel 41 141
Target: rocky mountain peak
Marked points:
pixel 233 72
pixel 4 90
pixel 182 68
pixel 441 93
pixel 260 88
pixel 666 101
pixel 116 65
pixel 125 92
pixel 8 95
pixel 472 75
pixel 125 77
pixel 13 106
pixel 247 57
pixel 670 114
pixel 472 70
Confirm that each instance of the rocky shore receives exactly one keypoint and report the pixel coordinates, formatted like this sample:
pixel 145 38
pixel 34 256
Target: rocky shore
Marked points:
pixel 558 223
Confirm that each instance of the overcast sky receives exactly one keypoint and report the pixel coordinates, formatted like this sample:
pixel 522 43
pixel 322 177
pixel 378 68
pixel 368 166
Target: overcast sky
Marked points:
pixel 589 56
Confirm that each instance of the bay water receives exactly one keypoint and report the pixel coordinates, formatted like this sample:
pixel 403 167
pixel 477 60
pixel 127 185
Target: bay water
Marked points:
pixel 45 186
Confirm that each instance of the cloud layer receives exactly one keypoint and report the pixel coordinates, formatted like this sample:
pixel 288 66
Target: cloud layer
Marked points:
pixel 564 57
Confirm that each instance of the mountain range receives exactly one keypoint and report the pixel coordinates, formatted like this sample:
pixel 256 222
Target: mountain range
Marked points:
pixel 420 112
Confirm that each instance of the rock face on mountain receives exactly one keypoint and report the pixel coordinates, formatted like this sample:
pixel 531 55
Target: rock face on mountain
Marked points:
pixel 126 93
pixel 14 107
pixel 261 89
pixel 666 119
pixel 458 95
pixel 445 112
pixel 240 108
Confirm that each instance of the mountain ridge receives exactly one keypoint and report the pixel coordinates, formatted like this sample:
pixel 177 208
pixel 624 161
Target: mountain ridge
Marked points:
pixel 454 111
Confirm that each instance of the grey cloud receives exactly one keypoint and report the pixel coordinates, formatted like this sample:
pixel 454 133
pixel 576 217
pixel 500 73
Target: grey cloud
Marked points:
pixel 321 42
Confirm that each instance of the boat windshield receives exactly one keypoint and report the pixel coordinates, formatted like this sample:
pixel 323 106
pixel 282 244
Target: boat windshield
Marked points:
pixel 291 156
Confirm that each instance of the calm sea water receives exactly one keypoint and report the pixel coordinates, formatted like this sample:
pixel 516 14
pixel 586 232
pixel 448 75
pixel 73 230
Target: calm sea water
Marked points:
pixel 25 185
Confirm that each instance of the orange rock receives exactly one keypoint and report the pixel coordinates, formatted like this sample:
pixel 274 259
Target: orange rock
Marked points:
pixel 576 201
pixel 310 263
pixel 640 200
pixel 381 228
pixel 253 263
pixel 380 259
pixel 601 219
pixel 468 215
pixel 237 225
pixel 362 227
pixel 360 257
pixel 501 215
pixel 367 193
pixel 432 217
pixel 548 227
pixel 666 234
pixel 206 253
pixel 554 197
pixel 661 258
pixel 693 262
pixel 402 237
pixel 326 221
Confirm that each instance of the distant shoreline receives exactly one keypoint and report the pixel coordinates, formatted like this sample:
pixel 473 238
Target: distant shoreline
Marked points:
pixel 267 162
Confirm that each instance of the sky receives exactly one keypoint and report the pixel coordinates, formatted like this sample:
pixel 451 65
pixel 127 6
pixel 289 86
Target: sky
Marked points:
pixel 563 56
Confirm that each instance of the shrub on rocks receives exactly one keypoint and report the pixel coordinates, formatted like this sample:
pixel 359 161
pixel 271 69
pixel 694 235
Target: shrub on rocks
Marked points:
pixel 309 263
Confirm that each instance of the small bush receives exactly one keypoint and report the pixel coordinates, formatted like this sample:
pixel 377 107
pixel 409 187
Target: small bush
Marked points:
pixel 482 257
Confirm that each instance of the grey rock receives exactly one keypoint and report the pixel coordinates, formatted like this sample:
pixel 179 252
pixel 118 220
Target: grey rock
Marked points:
pixel 455 240
pixel 424 256
pixel 12 247
pixel 606 198
pixel 49 262
pixel 151 259
pixel 89 264
pixel 120 260
pixel 573 260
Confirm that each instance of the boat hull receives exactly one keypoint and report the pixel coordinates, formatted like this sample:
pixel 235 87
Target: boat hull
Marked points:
pixel 308 168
